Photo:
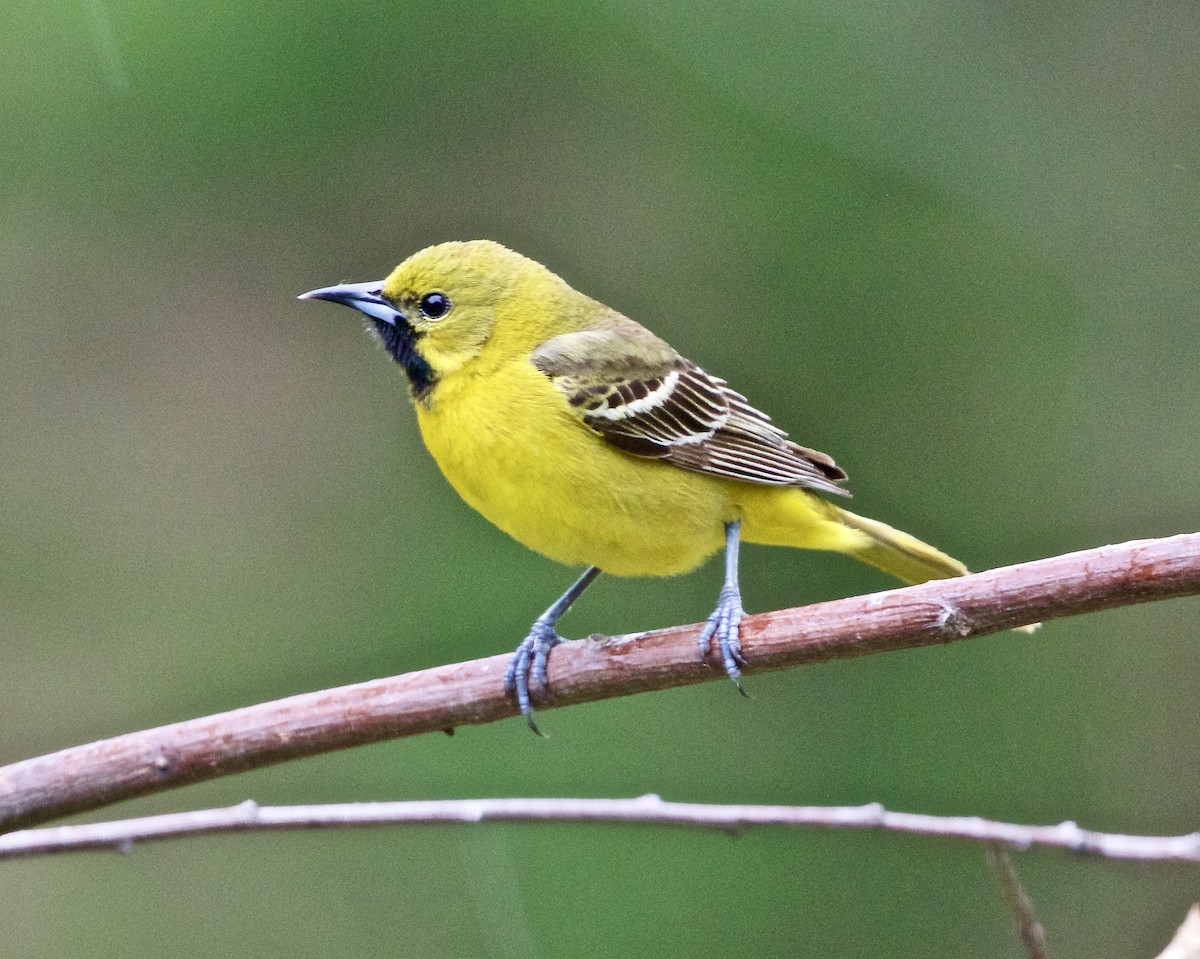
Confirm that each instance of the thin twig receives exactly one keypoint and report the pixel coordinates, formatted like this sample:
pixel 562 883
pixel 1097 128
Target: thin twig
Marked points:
pixel 1033 936
pixel 1186 943
pixel 100 773
pixel 123 834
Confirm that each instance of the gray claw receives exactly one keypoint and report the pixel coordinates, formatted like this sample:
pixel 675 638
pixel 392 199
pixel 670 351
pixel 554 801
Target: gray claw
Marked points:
pixel 723 626
pixel 527 668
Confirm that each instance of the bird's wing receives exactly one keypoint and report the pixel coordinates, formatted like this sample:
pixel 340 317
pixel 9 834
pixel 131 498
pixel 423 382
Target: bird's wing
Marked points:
pixel 644 398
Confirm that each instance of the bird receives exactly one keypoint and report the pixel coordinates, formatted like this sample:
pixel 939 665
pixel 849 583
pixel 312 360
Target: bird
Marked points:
pixel 590 440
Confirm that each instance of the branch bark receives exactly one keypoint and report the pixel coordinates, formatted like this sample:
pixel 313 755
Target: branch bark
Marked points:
pixel 100 773
pixel 122 835
pixel 1020 906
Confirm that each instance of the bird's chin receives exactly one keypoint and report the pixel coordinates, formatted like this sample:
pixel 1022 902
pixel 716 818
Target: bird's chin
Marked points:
pixel 400 341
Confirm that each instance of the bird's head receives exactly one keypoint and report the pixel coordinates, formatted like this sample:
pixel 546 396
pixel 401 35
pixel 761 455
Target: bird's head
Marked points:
pixel 435 312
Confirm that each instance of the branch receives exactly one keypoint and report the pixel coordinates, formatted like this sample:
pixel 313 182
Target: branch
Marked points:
pixel 122 835
pixel 97 774
pixel 1186 944
pixel 1033 936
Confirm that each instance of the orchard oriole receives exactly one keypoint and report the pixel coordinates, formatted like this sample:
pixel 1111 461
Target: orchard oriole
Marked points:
pixel 586 437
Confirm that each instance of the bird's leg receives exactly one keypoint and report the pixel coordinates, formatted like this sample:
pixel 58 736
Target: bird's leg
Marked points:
pixel 723 624
pixel 528 664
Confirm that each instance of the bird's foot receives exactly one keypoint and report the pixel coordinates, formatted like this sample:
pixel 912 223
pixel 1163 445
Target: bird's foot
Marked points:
pixel 527 668
pixel 723 626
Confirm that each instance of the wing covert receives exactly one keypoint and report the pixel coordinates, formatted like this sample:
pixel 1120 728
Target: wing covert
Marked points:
pixel 645 399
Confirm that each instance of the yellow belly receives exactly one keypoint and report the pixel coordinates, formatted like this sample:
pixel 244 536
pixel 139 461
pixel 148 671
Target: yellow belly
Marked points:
pixel 514 451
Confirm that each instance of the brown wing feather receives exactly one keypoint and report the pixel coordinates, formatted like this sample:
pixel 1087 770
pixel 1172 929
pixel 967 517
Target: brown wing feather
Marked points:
pixel 647 400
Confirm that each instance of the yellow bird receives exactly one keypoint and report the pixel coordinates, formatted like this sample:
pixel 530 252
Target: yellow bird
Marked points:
pixel 586 437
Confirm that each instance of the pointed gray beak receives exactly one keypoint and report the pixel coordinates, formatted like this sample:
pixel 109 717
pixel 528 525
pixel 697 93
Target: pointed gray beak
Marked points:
pixel 364 297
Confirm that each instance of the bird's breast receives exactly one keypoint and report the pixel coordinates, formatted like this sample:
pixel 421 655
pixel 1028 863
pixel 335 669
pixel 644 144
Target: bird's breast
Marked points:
pixel 515 451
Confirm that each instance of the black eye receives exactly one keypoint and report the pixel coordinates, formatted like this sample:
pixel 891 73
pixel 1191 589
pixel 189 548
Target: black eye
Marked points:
pixel 434 305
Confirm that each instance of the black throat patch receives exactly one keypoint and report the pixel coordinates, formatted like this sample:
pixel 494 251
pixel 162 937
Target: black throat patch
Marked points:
pixel 400 341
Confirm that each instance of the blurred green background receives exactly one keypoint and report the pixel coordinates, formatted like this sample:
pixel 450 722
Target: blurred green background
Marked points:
pixel 953 244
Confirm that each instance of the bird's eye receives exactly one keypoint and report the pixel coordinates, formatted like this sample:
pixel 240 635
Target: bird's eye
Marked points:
pixel 434 305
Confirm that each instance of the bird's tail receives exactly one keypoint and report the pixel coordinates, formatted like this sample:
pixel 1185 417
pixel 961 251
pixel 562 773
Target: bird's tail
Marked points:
pixel 797 518
pixel 895 552
pixel 903 556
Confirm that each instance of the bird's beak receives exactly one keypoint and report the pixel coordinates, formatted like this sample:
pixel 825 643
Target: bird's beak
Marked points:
pixel 364 297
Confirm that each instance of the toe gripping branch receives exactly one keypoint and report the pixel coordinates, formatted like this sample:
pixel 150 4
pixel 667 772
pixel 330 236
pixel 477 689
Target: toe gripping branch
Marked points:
pixel 527 668
pixel 722 626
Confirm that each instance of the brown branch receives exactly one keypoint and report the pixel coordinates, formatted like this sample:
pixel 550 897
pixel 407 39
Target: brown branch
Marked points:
pixel 1033 936
pixel 122 835
pixel 97 774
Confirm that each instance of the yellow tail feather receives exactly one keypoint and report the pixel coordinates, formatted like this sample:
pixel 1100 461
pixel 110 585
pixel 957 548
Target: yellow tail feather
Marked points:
pixel 897 553
pixel 797 518
pixel 904 556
